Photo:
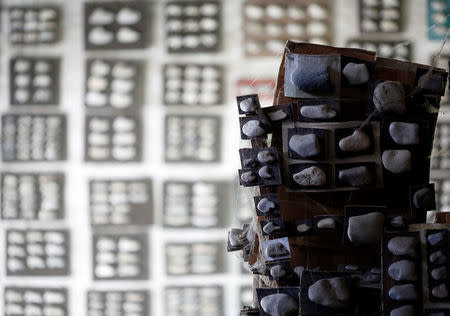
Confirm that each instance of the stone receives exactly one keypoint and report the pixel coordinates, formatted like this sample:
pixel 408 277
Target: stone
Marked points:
pixel 332 293
pixel 432 83
pixel 305 145
pixel 127 16
pixel 264 172
pixel 406 310
pixel 127 35
pixel 440 291
pixel 404 133
pixel 278 272
pixel 397 221
pixel 435 238
pixel 249 162
pixel 311 81
pixel 424 198
pixel 269 228
pixel 277 115
pixel 371 277
pixel 302 228
pixel 247 105
pixel 356 73
pixel 318 112
pixel 265 205
pixel 439 273
pixel 265 156
pixel 403 246
pixel 403 270
pixel 298 270
pixel 356 142
pixel 397 161
pixel 366 229
pixel 356 176
pixel 248 177
pixel 326 223
pixel 350 267
pixel 276 250
pixel 279 304
pixel 101 16
pixel 375 270
pixel 389 96
pixel 100 36
pixel 438 257
pixel 253 129
pixel 235 237
pixel 312 176
pixel 404 292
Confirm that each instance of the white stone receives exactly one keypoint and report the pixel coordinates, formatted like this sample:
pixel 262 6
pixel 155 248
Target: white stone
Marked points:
pixel 403 246
pixel 312 176
pixel 406 310
pixel 127 35
pixel 101 16
pixel 247 105
pixel 389 96
pixel 435 238
pixel 265 205
pixel 303 228
pixel 277 115
pixel 366 229
pixel 439 273
pixel 397 161
pixel 264 172
pixel 279 304
pixel 397 221
pixel 332 293
pixel 403 270
pixel 269 228
pixel 265 156
pixel 356 142
pixel 127 16
pixel 356 176
pixel 440 291
pixel 276 250
pixel 356 73
pixel 404 133
pixel 100 36
pixel 314 112
pixel 305 145
pixel 253 129
pixel 437 257
pixel 278 272
pixel 404 292
pixel 248 177
pixel 326 223
pixel 235 237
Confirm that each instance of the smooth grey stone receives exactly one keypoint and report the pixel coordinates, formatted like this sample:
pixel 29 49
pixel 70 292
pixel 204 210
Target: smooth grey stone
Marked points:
pixel 278 272
pixel 404 292
pixel 435 238
pixel 375 270
pixel 440 291
pixel 404 133
pixel 310 80
pixel 365 229
pixel 397 221
pixel 264 172
pixel 403 270
pixel 397 161
pixel 312 176
pixel 277 115
pixel 265 205
pixel 276 250
pixel 270 228
pixel 351 267
pixel 356 73
pixel 279 304
pixel 318 112
pixel 356 176
pixel 438 257
pixel 356 142
pixel 253 129
pixel 249 162
pixel 265 156
pixel 439 273
pixel 235 237
pixel 389 96
pixel 406 310
pixel 305 145
pixel 332 293
pixel 432 83
pixel 326 223
pixel 424 199
pixel 403 246
pixel 248 177
pixel 247 105
pixel 303 228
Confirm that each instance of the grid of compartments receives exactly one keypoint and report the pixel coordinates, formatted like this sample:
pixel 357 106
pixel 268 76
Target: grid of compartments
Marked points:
pixel 380 16
pixel 24 301
pixel 269 24
pixel 396 49
pixel 194 300
pixel 438 22
pixel 124 303
pixel 28 196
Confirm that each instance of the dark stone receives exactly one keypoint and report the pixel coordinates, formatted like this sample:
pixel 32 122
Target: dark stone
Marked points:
pixel 312 81
pixel 424 199
pixel 434 83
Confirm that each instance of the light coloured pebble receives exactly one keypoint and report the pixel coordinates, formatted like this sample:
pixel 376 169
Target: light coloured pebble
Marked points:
pixel 265 156
pixel 279 304
pixel 277 115
pixel 264 172
pixel 356 142
pixel 404 292
pixel 265 205
pixel 302 228
pixel 235 237
pixel 403 246
pixel 247 105
pixel 438 257
pixel 435 238
pixel 389 96
pixel 305 145
pixel 312 176
pixel 403 270
pixel 440 291
pixel 248 177
pixel 356 73
pixel 253 129
pixel 406 310
pixel 356 176
pixel 127 16
pixel 278 272
pixel 332 293
pixel 326 223
pixel 404 133
pixel 366 229
pixel 127 35
pixel 439 273
pixel 397 161
pixel 269 228
pixel 249 161
pixel 315 112
pixel 100 36
pixel 276 250
pixel 397 221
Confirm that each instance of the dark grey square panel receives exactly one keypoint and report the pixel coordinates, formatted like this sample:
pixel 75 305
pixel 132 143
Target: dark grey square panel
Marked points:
pixel 114 302
pixel 380 16
pixel 194 300
pixel 24 301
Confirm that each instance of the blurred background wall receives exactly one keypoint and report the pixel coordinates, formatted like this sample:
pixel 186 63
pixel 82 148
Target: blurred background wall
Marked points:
pixel 120 141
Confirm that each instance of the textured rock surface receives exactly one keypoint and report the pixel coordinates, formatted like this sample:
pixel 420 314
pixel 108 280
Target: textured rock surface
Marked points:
pixel 265 156
pixel 333 293
pixel 310 81
pixel 247 105
pixel 432 83
pixel 356 73
pixel 276 250
pixel 253 129
pixel 279 304
pixel 424 199
pixel 435 238
pixel 270 228
pixel 438 257
pixel 439 273
pixel 248 177
pixel 277 115
pixel 305 145
pixel 403 270
pixel 326 223
pixel 406 310
pixel 318 112
pixel 397 221
pixel 278 272
pixel 312 176
pixel 264 172
pixel 356 142
pixel 356 176
pixel 404 133
pixel 365 229
pixel 235 237
pixel 389 96
pixel 265 205
pixel 440 291
pixel 404 292
pixel 397 161
pixel 403 246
